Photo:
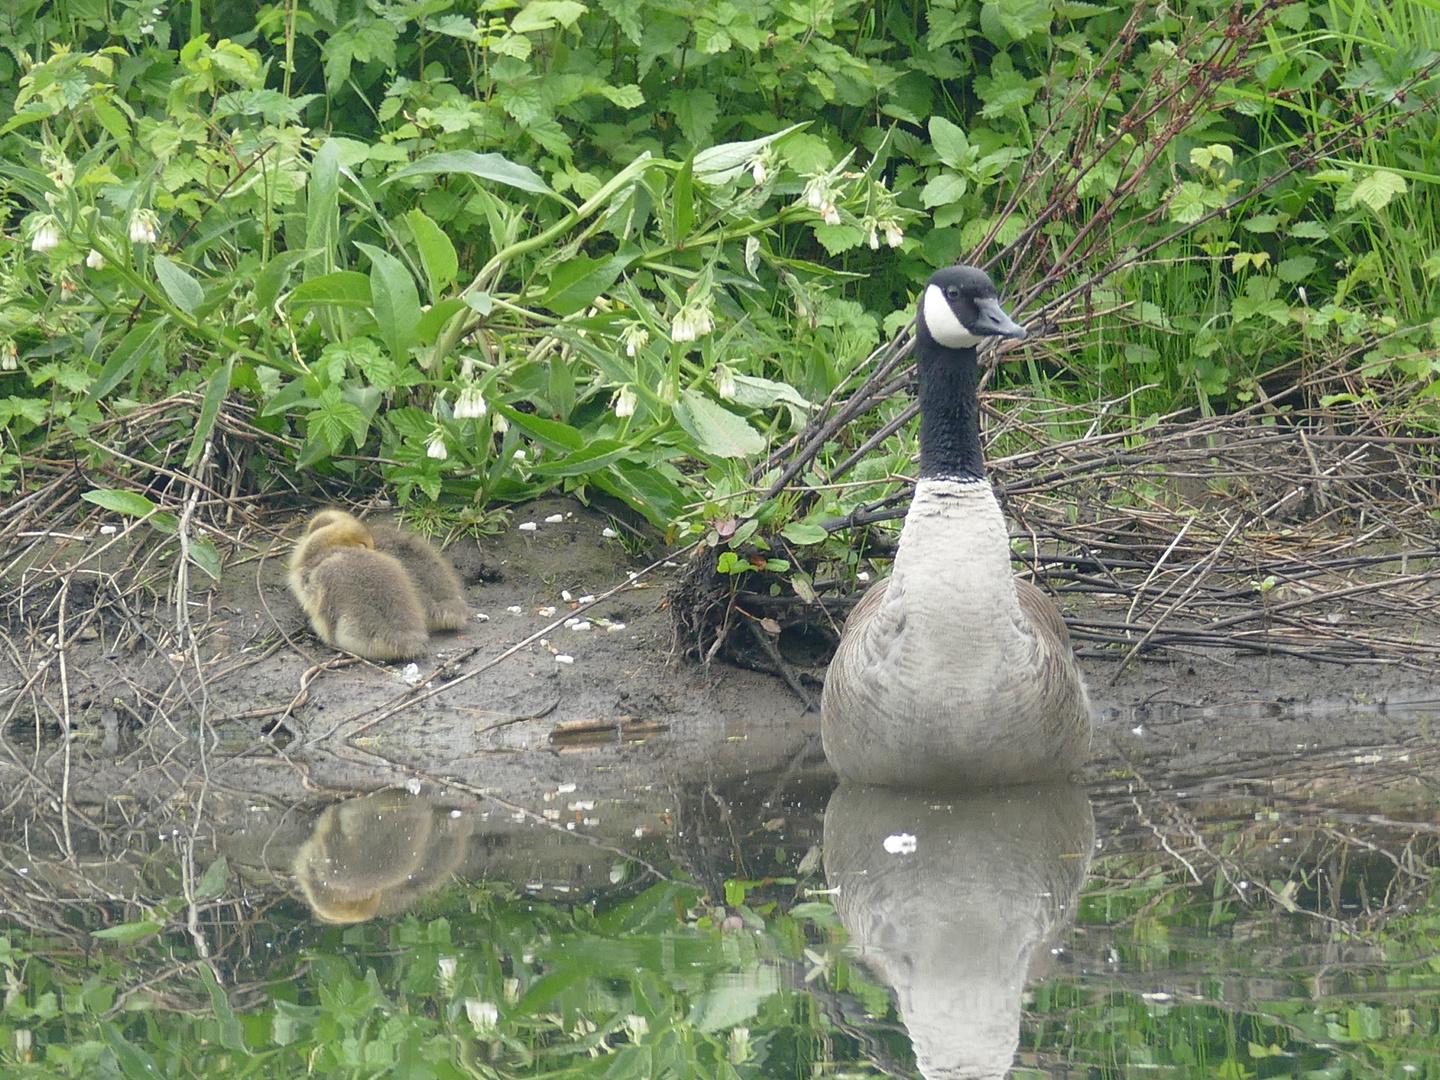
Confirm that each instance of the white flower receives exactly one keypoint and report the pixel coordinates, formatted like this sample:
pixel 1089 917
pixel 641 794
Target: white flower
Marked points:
pixel 816 193
pixel 498 424
pixel 724 382
pixel 894 235
pixel 9 357
pixel 484 1015
pixel 95 261
pixel 467 368
pixel 143 226
pixel 625 402
pixel 757 171
pixel 637 1026
pixel 874 239
pixel 739 1050
pixel 447 971
pixel 829 214
pixel 635 337
pixel 47 235
pixel 435 448
pixel 471 405
pixel 691 322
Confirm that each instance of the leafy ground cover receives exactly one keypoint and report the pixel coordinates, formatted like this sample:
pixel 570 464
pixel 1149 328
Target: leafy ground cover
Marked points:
pixel 473 252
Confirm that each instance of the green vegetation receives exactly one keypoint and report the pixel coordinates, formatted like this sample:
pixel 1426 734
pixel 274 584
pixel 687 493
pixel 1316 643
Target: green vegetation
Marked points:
pixel 474 251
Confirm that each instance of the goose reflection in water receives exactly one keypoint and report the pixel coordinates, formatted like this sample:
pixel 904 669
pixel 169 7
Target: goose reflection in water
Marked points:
pixel 378 854
pixel 954 900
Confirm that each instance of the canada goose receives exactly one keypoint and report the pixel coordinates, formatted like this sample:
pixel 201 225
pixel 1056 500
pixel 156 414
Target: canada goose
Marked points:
pixel 951 673
pixel 358 599
pixel 441 593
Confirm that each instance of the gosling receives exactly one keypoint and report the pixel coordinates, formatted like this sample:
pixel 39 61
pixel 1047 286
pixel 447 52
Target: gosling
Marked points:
pixel 358 599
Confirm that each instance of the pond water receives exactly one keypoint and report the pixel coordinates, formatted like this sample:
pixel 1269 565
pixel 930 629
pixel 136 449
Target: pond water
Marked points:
pixel 1280 923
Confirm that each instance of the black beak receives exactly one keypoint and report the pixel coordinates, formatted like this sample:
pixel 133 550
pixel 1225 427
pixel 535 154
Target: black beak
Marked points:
pixel 992 320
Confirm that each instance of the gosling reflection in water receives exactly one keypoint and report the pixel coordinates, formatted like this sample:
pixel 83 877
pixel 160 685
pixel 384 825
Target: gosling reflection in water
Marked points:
pixel 378 854
pixel 954 900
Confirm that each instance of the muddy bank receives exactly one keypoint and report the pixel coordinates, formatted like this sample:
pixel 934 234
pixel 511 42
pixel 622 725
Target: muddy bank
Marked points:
pixel 571 749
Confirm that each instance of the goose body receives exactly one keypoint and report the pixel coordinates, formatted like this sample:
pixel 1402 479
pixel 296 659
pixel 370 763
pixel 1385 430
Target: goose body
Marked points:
pixel 951 673
pixel 358 599
pixel 441 593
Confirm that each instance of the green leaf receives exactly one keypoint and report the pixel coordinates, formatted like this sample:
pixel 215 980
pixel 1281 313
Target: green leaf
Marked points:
pixel 395 302
pixel 434 320
pixel 696 111
pixel 134 347
pixel 839 238
pixel 121 502
pixel 643 487
pixel 946 188
pixel 682 199
pixel 490 167
pixel 184 291
pixel 212 883
pixel 578 281
pixel 1295 269
pixel 629 96
pixel 721 164
pixel 949 143
pixel 543 14
pixel 600 454
pixel 204 555
pixel 215 391
pixel 1376 190
pixel 552 433
pixel 343 288
pixel 273 276
pixel 799 532
pixel 322 210
pixel 717 431
pixel 128 931
pixel 437 253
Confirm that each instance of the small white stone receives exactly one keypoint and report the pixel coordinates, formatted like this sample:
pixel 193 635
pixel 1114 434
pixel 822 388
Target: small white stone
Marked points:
pixel 411 674
pixel 570 624
pixel 550 815
pixel 614 626
pixel 863 575
pixel 590 821
pixel 582 804
pixel 414 786
pixel 545 612
pixel 608 533
pixel 527 526
pixel 514 609
pixel 565 789
pixel 570 825
pixel 565 595
pixel 900 844
pixel 107 530
pixel 580 625
pixel 561 658
pixel 554 519
pixel 586 599
pixel 480 616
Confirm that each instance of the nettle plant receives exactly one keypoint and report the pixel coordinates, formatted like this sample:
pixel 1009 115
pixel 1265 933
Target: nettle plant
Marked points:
pixel 451 319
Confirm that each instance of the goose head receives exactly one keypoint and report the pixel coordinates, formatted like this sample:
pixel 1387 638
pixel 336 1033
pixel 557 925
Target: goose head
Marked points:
pixel 960 308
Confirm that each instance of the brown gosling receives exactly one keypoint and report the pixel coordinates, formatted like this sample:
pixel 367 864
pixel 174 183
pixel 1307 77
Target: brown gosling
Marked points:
pixel 358 599
pixel 441 593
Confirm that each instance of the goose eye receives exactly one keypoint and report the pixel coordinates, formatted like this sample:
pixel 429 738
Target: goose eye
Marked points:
pixel 952 292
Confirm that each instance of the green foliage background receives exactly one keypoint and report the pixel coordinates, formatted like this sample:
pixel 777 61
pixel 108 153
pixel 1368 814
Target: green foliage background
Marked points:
pixel 479 250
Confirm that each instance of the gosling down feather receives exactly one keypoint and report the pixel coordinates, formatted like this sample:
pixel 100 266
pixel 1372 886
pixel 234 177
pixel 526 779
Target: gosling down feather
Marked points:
pixel 441 593
pixel 951 673
pixel 358 599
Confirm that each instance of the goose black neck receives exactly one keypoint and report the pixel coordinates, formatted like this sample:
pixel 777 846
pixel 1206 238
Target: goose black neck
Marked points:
pixel 949 412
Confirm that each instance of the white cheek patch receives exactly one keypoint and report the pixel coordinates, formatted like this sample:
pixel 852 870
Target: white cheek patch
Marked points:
pixel 941 321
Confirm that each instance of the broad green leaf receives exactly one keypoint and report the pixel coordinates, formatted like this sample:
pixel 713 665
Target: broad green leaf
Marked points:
pixel 343 288
pixel 215 391
pixel 273 276
pixel 322 210
pixel 121 502
pixel 578 281
pixel 434 320
pixel 629 96
pixel 395 302
pixel 682 199
pixel 799 532
pixel 733 997
pixel 543 14
pixel 1295 269
pixel 437 253
pixel 716 430
pixel 184 291
pixel 204 555
pixel 949 143
pixel 134 1063
pixel 753 392
pixel 643 487
pixel 600 454
pixel 134 348
pixel 721 164
pixel 212 882
pixel 490 167
pixel 839 238
pixel 552 433
pixel 232 1032
pixel 944 189
pixel 1376 190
